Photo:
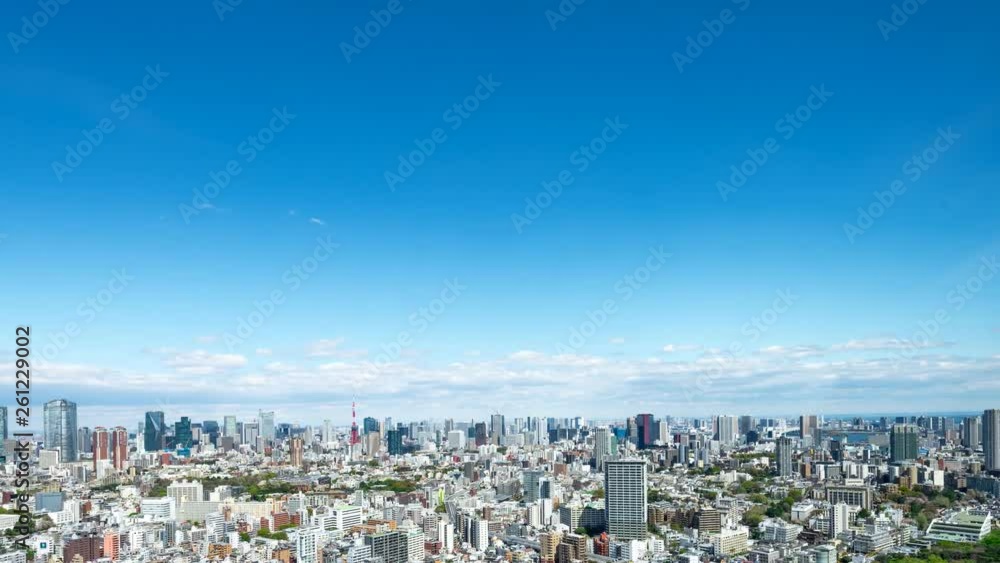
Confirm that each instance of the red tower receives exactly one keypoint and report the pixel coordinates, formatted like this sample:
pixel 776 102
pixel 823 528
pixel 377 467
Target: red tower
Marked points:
pixel 355 437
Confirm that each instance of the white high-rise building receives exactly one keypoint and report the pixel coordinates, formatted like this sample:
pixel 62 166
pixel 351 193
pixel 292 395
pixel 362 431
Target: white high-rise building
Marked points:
pixel 251 431
pixel 327 432
pixel 347 516
pixel 991 438
pixel 731 541
pixel 841 516
pixel 728 429
pixel 307 545
pixel 456 439
pixel 266 420
pixel 479 535
pixel 415 544
pixel 186 490
pixel 972 432
pixel 533 515
pixel 625 499
pixel 446 535
pixel 164 508
pixel 783 456
pixel 542 430
pixel 229 426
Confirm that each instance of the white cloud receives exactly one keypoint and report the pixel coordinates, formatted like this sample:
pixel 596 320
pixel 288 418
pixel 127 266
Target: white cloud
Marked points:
pixel 526 356
pixel 200 362
pixel 885 343
pixel 672 348
pixel 798 351
pixel 776 380
pixel 317 221
pixel 263 351
pixel 331 347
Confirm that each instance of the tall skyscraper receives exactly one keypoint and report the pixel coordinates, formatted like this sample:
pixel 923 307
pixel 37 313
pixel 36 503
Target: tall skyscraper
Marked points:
pixel 602 447
pixel 101 440
pixel 296 451
pixel 229 426
pixel 541 430
pixel 991 438
pixel 60 428
pixel 369 424
pixel 497 427
pixel 480 433
pixel 3 423
pixel 972 432
pixel 727 429
pixel 532 483
pixel 154 431
pixel 837 449
pixel 903 442
pixel 808 428
pixel 644 431
pixel 84 440
pixel 249 434
pixel 327 431
pixel 182 433
pixel 394 441
pixel 783 456
pixel 210 427
pixel 625 499
pixel 746 424
pixel 119 447
pixel 266 420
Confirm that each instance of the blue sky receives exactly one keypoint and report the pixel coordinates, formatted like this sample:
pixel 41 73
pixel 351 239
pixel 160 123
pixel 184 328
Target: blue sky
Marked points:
pixel 852 334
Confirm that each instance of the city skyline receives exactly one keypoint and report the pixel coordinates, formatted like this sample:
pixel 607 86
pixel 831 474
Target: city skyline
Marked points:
pixel 251 414
pixel 304 277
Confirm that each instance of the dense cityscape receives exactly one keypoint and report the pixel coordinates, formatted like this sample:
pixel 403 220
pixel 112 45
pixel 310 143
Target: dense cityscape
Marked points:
pixel 555 281
pixel 529 489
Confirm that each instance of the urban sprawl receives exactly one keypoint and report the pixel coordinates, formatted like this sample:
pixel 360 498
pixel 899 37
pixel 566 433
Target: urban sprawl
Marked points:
pixel 808 489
